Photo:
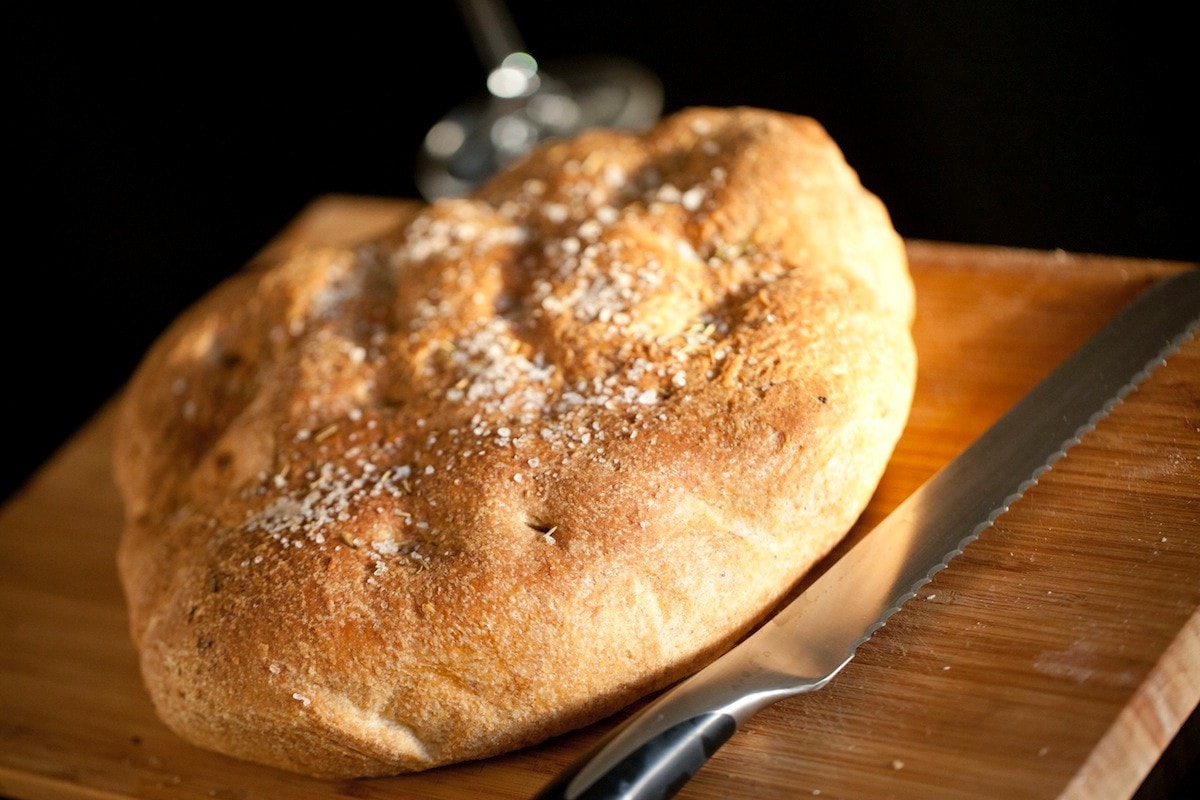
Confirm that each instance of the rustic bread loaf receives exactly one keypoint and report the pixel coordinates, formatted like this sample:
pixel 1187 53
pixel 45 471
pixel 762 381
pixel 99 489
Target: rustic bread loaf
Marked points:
pixel 519 462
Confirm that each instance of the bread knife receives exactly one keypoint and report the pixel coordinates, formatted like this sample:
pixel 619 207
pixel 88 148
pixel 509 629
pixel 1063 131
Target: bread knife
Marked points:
pixel 801 649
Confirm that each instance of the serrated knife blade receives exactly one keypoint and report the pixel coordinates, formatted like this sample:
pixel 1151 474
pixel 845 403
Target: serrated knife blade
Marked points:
pixel 659 749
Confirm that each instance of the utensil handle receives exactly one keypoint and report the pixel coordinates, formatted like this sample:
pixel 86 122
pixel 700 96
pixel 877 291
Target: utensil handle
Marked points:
pixel 656 770
pixel 492 30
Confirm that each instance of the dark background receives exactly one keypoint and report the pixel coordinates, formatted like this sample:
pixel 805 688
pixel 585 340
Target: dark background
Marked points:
pixel 155 153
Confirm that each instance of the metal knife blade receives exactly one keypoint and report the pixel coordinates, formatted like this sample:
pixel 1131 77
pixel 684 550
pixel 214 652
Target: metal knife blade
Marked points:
pixel 803 647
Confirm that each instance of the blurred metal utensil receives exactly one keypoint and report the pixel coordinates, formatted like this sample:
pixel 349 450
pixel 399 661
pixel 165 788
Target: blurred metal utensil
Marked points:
pixel 526 104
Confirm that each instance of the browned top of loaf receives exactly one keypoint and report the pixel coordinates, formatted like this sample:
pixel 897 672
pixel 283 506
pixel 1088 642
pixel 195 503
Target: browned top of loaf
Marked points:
pixel 519 462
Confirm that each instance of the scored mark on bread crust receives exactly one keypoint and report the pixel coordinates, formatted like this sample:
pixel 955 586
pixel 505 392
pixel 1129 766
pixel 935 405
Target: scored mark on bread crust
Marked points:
pixel 545 530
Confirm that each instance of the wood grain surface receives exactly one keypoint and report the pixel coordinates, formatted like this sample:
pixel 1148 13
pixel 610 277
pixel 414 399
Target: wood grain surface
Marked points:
pixel 1057 657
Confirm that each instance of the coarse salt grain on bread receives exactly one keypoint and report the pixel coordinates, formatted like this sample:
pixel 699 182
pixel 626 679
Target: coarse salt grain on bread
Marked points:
pixel 519 462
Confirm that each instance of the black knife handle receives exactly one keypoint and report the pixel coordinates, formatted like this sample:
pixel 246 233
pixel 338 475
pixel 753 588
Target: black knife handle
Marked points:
pixel 656 770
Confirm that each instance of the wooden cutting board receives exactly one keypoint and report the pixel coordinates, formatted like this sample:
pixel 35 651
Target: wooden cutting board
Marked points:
pixel 1057 657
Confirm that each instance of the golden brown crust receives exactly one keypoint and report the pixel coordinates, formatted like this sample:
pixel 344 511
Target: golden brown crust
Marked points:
pixel 479 481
